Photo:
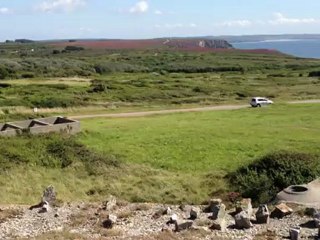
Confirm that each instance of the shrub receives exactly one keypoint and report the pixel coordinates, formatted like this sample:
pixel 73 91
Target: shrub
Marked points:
pixel 52 102
pixel 314 74
pixel 59 86
pixel 5 85
pixel 101 69
pixel 267 176
pixel 97 86
pixel 3 73
pixel 60 150
pixel 27 75
pixel 73 48
pixel 52 151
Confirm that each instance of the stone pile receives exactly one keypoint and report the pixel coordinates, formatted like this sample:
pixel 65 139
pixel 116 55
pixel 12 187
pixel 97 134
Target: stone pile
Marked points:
pixel 145 220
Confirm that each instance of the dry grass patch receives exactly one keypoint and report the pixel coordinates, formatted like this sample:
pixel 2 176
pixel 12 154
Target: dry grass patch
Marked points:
pixel 125 214
pixel 110 232
pixel 168 235
pixel 141 207
pixel 64 235
pixel 7 214
pixel 269 235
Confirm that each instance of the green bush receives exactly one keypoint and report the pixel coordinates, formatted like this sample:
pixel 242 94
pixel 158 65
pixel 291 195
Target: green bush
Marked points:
pixel 314 74
pixel 52 102
pixel 52 151
pixel 27 75
pixel 97 86
pixel 73 48
pixel 267 176
pixel 59 86
pixel 3 73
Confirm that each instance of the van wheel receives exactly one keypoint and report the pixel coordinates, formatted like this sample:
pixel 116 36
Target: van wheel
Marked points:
pixel 258 105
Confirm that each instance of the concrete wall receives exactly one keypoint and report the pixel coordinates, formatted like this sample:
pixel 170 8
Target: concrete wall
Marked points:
pixel 40 126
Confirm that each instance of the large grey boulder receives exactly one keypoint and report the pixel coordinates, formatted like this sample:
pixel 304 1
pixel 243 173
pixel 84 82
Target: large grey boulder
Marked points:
pixel 219 217
pixel 242 220
pixel 182 226
pixel 245 205
pixel 316 218
pixel 294 233
pixel 263 214
pixel 160 212
pixel 219 224
pixel 310 211
pixel 217 208
pixel 109 222
pixel 214 205
pixel 49 195
pixel 193 214
pixel 48 200
pixel 281 210
pixel 45 207
pixel 111 203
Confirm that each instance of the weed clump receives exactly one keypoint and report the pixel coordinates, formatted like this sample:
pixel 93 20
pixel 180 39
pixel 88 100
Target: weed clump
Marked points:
pixel 52 151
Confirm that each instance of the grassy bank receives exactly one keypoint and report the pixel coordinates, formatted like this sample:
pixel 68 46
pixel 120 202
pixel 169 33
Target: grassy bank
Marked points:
pixel 173 158
pixel 206 141
pixel 151 89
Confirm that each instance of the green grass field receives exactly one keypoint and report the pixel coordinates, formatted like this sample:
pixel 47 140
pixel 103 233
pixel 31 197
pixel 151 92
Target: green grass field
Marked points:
pixel 173 158
pixel 206 142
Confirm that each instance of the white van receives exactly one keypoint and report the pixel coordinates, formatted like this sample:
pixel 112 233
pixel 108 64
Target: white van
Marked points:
pixel 260 101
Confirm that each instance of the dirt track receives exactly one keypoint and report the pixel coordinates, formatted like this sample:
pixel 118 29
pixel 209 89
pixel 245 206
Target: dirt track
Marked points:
pixel 163 112
pixel 160 112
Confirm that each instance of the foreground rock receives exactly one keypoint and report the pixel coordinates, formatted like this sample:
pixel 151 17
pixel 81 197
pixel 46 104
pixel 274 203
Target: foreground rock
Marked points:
pixel 245 206
pixel 49 196
pixel 263 215
pixel 242 220
pixel 109 222
pixel 294 233
pixel 281 210
pixel 316 218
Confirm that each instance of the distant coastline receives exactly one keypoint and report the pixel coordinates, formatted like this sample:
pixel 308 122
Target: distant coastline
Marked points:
pixel 279 40
pixel 305 48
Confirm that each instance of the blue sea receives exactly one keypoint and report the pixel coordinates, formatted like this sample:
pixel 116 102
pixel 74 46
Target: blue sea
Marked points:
pixel 300 48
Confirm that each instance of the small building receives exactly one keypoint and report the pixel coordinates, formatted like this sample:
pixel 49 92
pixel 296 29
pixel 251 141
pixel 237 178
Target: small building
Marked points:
pixel 308 194
pixel 40 126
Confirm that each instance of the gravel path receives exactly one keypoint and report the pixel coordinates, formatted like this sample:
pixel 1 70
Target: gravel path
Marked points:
pixel 170 111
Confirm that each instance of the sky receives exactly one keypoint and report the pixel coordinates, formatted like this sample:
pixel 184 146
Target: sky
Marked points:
pixel 134 19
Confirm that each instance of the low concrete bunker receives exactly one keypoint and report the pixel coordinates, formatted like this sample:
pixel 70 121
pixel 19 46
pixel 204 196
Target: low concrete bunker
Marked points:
pixel 308 194
pixel 40 126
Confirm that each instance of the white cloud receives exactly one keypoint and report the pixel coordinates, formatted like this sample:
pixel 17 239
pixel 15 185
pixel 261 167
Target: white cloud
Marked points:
pixel 140 7
pixel 235 23
pixel 176 25
pixel 158 12
pixel 280 19
pixel 4 10
pixel 60 5
pixel 85 29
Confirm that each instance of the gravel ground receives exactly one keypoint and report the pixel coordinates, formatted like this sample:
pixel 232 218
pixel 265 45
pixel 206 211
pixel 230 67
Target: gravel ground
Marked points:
pixel 138 221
